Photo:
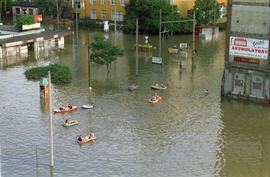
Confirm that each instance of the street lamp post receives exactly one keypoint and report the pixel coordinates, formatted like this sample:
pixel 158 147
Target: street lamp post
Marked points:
pixel 115 16
pixel 159 53
pixel 193 37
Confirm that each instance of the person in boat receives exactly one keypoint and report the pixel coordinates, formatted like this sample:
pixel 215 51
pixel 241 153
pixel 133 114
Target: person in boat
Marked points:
pixel 162 86
pixel 80 138
pixel 61 108
pixel 153 98
pixel 206 92
pixel 69 106
pixel 156 84
pixel 92 135
pixel 66 121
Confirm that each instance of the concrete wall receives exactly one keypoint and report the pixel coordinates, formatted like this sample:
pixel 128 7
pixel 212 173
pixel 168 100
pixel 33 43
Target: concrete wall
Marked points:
pixel 256 18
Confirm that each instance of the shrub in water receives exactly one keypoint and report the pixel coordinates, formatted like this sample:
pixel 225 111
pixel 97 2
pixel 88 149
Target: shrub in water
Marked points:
pixel 60 74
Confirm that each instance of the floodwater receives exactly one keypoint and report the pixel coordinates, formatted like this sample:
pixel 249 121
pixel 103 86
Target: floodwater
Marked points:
pixel 188 134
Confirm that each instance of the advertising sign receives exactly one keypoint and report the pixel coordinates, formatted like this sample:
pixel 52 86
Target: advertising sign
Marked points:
pixel 156 60
pixel 31 26
pixel 248 47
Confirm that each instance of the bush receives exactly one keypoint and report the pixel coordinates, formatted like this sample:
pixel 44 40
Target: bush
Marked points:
pixel 24 20
pixel 60 74
pixel 89 23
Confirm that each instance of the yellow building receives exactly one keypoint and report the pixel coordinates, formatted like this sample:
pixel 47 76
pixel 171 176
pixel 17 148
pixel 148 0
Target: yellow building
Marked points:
pixel 102 9
pixel 184 6
pixel 115 9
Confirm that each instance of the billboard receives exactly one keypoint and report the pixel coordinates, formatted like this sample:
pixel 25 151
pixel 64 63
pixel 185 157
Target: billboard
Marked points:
pixel 156 60
pixel 248 47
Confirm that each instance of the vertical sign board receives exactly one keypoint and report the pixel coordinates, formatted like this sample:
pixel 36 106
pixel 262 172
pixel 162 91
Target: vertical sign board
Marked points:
pixel 248 47
pixel 156 60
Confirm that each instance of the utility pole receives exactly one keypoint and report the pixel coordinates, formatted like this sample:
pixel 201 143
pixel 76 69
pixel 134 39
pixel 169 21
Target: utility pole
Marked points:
pixel 77 28
pixel 89 63
pixel 115 16
pixel 137 39
pixel 193 37
pixel 57 9
pixel 50 122
pixel 159 52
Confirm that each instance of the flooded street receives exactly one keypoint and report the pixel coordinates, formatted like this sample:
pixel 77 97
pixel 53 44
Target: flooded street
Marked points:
pixel 189 134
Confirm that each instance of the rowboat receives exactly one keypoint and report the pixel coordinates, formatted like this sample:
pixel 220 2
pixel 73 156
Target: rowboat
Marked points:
pixel 87 106
pixel 172 50
pixel 69 123
pixel 63 110
pixel 158 87
pixel 85 139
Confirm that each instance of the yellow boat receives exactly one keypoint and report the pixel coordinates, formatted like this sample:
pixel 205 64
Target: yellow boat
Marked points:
pixel 172 50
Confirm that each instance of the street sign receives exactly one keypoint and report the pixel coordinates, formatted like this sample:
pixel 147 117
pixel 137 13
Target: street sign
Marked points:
pixel 156 60
pixel 183 45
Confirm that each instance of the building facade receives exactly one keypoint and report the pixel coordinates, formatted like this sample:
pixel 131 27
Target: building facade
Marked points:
pixel 185 6
pixel 247 64
pixel 101 9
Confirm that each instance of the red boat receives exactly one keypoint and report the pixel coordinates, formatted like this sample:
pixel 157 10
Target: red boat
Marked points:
pixel 68 109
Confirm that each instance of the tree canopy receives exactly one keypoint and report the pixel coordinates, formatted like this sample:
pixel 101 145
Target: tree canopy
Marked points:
pixel 207 11
pixel 147 12
pixel 104 52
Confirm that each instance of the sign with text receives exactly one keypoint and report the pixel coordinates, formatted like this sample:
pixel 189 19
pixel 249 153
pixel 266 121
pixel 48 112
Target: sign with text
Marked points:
pixel 31 26
pixel 247 60
pixel 248 47
pixel 156 60
pixel 183 45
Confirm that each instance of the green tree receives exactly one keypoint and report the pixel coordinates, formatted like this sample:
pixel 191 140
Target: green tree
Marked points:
pixel 147 11
pixel 104 52
pixel 207 11
pixel 24 20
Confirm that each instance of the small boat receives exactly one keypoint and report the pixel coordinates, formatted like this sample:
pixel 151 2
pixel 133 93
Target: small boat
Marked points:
pixel 87 106
pixel 69 123
pixel 63 110
pixel 85 139
pixel 159 87
pixel 158 98
pixel 133 87
pixel 172 50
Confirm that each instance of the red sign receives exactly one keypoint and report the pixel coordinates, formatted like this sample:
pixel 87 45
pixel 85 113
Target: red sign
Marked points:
pixel 247 60
pixel 38 18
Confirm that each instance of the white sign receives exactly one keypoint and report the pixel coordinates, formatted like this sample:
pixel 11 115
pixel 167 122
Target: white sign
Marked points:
pixel 247 47
pixel 156 60
pixel 31 26
pixel 183 45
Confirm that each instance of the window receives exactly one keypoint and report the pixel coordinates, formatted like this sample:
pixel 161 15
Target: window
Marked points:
pixel 103 14
pixel 113 2
pixel 18 10
pixel 30 11
pixel 103 2
pixel 93 1
pixel 93 14
pixel 122 2
pixel 257 85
